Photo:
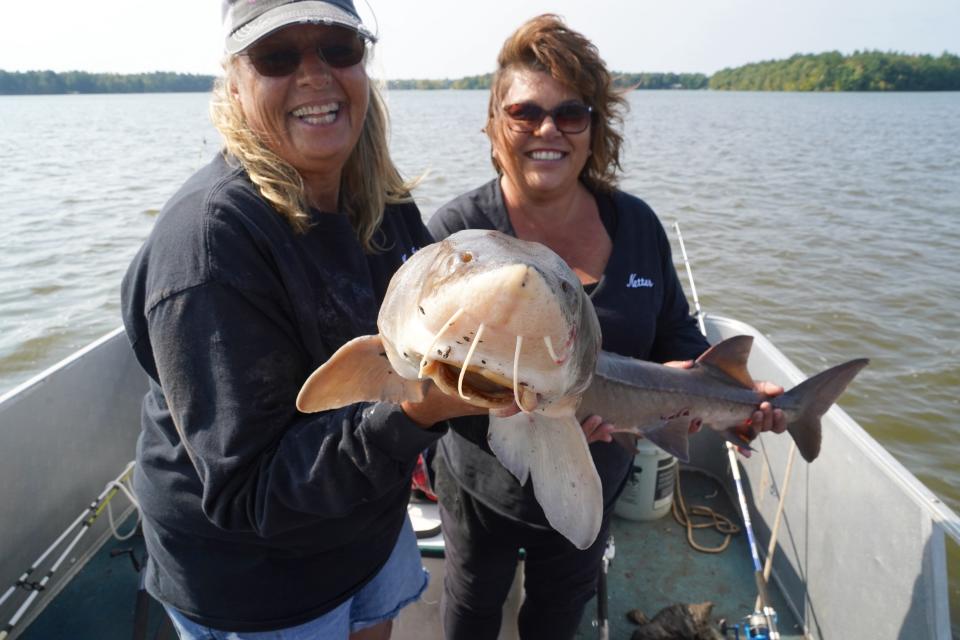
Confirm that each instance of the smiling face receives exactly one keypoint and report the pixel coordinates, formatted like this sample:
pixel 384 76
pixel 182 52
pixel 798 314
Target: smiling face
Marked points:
pixel 545 162
pixel 311 118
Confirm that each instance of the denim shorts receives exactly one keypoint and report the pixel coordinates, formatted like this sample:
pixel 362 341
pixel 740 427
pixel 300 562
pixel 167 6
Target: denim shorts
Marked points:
pixel 400 582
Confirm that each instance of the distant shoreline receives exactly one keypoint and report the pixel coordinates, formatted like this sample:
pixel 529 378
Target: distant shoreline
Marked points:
pixel 823 72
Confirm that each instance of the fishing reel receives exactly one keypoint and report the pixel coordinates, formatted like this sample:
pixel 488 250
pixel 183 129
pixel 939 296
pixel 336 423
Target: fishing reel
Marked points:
pixel 759 625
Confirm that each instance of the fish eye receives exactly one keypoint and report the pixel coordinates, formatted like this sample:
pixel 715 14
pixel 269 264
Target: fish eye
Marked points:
pixel 466 256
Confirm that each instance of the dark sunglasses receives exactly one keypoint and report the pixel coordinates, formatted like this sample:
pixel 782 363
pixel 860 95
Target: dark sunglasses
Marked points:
pixel 276 61
pixel 569 117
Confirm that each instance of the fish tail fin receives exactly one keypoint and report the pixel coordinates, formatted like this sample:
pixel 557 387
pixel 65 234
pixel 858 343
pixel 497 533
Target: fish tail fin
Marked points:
pixel 359 371
pixel 810 399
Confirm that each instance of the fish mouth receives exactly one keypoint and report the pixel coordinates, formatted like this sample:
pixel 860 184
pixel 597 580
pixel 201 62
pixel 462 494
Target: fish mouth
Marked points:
pixel 481 387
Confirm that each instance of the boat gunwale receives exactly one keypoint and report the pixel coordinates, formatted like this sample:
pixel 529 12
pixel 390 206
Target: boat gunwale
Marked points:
pixel 940 512
pixel 41 377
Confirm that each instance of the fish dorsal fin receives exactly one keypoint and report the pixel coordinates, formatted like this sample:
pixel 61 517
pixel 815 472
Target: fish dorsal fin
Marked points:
pixel 730 358
pixel 358 372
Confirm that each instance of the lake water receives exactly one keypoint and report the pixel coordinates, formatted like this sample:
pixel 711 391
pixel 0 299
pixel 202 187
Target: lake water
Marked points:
pixel 831 222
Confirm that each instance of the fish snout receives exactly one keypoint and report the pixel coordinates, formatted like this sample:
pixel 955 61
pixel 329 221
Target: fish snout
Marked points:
pixel 517 298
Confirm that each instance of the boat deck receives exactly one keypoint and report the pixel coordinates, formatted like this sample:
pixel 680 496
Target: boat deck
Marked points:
pixel 654 566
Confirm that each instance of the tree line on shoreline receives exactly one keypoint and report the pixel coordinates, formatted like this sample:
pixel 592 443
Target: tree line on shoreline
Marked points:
pixel 830 71
pixel 833 71
pixel 50 82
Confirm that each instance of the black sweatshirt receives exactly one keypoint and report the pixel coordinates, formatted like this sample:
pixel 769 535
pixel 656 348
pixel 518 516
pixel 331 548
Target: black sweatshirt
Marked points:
pixel 643 314
pixel 256 516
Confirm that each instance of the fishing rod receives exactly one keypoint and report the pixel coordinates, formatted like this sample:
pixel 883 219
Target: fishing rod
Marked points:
pixel 693 287
pixel 87 517
pixel 762 623
pixel 603 613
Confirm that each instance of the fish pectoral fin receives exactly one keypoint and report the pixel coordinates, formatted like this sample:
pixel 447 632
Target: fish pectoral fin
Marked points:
pixel 553 453
pixel 627 440
pixel 736 438
pixel 358 372
pixel 727 361
pixel 672 435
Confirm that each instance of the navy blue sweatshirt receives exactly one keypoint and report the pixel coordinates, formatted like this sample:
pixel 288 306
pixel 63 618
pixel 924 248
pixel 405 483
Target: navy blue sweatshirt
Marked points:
pixel 643 314
pixel 256 516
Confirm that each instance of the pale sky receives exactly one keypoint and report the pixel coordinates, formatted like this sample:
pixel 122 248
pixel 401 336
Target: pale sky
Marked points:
pixel 453 38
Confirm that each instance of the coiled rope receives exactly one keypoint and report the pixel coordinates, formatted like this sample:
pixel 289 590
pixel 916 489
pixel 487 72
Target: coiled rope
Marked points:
pixel 684 516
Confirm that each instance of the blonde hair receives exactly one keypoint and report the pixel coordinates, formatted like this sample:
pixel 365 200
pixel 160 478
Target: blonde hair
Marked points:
pixel 368 183
pixel 546 44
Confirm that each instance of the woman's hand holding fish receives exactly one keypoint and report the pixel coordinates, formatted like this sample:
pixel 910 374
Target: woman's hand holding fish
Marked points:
pixel 437 406
pixel 765 418
pixel 595 429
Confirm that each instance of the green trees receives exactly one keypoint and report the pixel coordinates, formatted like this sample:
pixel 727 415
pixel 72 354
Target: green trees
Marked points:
pixel 620 79
pixel 468 82
pixel 832 71
pixel 829 71
pixel 660 80
pixel 48 82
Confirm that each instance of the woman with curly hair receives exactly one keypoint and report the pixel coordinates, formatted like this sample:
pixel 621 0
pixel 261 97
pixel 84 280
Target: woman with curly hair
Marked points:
pixel 553 126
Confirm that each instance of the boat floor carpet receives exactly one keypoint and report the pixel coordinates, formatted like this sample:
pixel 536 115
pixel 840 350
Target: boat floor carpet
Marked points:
pixel 100 602
pixel 655 567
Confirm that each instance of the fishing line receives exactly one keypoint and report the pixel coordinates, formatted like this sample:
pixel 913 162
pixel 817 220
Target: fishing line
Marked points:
pixel 772 547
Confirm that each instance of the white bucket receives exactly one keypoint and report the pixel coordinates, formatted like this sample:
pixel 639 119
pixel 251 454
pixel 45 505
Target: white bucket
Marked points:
pixel 649 489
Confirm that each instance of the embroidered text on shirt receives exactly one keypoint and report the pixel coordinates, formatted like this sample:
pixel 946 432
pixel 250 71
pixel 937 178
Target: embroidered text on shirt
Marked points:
pixel 633 282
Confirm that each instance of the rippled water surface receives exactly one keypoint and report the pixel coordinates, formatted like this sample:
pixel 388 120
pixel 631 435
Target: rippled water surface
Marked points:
pixel 831 222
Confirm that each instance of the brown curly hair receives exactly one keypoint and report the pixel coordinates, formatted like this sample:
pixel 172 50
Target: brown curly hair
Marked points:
pixel 546 44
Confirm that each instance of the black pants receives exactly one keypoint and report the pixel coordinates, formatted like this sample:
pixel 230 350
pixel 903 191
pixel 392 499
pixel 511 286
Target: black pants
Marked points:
pixel 481 554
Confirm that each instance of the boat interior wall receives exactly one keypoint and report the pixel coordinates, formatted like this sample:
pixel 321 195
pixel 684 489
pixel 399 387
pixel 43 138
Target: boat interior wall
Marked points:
pixel 862 541
pixel 66 434
pixel 855 522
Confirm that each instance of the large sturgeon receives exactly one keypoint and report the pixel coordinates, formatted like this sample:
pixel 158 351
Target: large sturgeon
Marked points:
pixel 500 322
pixel 497 321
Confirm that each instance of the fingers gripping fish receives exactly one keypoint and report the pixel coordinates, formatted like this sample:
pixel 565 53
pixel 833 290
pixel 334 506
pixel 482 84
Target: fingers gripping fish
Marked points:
pixel 496 321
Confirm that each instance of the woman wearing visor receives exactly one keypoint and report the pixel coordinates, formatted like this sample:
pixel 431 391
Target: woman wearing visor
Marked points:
pixel 260 521
pixel 552 122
